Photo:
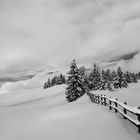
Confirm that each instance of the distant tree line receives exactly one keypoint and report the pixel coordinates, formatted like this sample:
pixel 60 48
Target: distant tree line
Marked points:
pixel 56 80
pixel 79 81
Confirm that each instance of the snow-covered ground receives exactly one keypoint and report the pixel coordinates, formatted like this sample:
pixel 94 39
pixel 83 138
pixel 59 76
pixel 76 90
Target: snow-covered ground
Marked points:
pixel 37 114
pixel 131 95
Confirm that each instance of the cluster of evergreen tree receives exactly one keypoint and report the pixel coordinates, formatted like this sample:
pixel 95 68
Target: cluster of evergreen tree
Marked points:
pixel 107 79
pixel 79 82
pixel 56 80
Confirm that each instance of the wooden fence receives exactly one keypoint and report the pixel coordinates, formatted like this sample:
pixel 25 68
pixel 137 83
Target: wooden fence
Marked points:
pixel 118 107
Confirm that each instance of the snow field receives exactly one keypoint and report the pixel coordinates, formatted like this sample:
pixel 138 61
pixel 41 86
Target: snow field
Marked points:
pixel 39 114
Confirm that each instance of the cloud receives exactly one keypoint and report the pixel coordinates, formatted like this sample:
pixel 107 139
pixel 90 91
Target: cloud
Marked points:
pixel 43 32
pixel 133 65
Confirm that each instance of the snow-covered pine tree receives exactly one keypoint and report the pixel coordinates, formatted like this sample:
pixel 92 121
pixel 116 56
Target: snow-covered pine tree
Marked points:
pixel 109 79
pixel 108 75
pixel 49 82
pixel 60 79
pixel 128 77
pixel 82 71
pixel 134 78
pixel 95 78
pixel 63 79
pixel 103 81
pixel 113 75
pixel 109 85
pixel 120 80
pixel 90 79
pixel 54 81
pixel 75 84
pixel 45 85
pixel 138 75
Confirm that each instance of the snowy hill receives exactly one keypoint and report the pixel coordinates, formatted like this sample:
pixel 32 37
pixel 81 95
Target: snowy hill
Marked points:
pixel 28 112
pixel 35 82
pixel 38 114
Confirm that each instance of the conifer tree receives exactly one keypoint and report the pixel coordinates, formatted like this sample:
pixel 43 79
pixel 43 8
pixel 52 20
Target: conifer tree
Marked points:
pixel 54 81
pixel 134 78
pixel 49 82
pixel 62 79
pixel 113 75
pixel 103 81
pixel 108 75
pixel 138 75
pixel 59 80
pixel 82 71
pixel 128 77
pixel 109 79
pixel 109 85
pixel 75 84
pixel 120 80
pixel 95 78
pixel 45 85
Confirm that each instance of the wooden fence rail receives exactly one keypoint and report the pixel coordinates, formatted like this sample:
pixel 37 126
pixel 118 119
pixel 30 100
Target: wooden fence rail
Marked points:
pixel 116 105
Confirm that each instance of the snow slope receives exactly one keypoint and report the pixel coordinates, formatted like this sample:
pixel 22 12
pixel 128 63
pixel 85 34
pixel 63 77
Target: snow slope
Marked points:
pixel 39 114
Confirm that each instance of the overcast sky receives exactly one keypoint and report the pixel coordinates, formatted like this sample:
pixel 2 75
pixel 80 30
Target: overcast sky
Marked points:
pixel 53 32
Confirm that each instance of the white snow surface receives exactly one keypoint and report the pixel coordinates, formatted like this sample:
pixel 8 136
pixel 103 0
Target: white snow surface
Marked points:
pixel 131 95
pixel 37 114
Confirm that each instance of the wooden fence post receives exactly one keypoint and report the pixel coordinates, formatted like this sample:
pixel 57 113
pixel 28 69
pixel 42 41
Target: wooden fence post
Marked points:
pixel 105 100
pixel 125 111
pixel 98 99
pixel 101 99
pixel 93 98
pixel 138 120
pixel 116 105
pixel 110 104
